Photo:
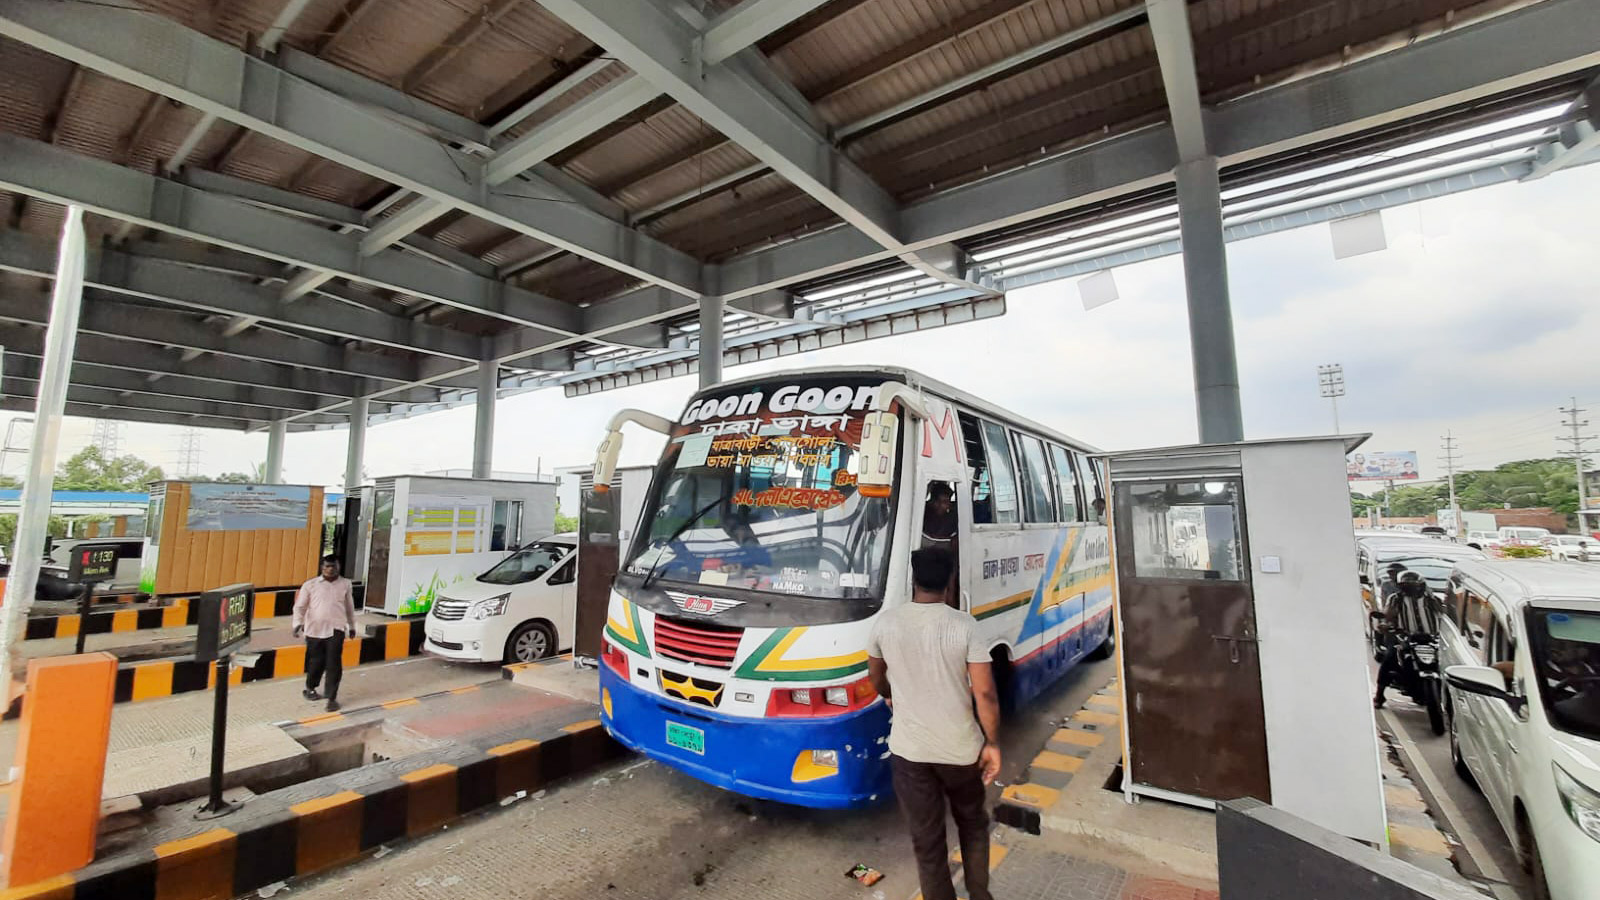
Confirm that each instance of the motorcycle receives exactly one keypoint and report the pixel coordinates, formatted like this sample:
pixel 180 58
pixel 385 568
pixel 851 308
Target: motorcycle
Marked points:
pixel 1420 677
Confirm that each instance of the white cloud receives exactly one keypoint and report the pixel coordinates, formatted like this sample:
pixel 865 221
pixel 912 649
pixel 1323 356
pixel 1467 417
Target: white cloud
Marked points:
pixel 1478 318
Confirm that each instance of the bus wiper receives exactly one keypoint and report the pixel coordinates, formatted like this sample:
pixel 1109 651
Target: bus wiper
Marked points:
pixel 655 566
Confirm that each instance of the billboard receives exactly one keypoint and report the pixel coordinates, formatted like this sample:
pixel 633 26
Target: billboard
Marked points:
pixel 1380 465
pixel 248 507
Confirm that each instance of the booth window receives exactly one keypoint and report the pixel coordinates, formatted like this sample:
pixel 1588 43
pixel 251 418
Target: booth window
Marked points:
pixel 507 531
pixel 1186 530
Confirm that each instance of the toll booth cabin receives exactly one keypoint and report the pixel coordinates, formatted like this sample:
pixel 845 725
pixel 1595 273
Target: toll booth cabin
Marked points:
pixel 202 534
pixel 1240 627
pixel 424 533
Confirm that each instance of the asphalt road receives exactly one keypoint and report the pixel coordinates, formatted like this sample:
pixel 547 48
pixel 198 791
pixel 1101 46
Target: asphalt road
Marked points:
pixel 1456 805
pixel 642 831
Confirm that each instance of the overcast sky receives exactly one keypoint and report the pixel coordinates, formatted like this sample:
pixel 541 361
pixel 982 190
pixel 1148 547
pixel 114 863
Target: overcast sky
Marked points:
pixel 1479 318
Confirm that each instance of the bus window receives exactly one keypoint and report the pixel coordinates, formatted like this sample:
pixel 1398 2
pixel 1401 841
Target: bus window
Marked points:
pixel 978 464
pixel 1034 472
pixel 1002 475
pixel 1066 485
pixel 1092 490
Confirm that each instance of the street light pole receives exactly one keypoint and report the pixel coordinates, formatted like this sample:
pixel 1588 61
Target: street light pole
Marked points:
pixel 1330 378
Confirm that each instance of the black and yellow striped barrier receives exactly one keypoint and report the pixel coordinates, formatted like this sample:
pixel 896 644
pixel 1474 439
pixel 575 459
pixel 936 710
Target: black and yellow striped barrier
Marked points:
pixel 166 677
pixel 179 612
pixel 320 833
pixel 1022 805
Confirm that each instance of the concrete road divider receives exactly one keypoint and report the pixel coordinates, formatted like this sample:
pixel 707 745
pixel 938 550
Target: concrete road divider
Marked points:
pixel 180 611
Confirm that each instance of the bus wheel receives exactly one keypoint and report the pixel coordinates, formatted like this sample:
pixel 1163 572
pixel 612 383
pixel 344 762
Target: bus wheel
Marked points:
pixel 1106 648
pixel 1005 682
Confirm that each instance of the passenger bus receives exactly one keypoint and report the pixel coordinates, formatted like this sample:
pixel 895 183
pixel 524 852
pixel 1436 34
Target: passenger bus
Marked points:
pixel 780 522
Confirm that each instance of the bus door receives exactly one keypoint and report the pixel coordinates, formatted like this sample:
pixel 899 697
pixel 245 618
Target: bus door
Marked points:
pixel 938 524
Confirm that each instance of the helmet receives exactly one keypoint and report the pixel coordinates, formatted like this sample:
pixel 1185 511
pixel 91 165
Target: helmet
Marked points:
pixel 1409 577
pixel 1412 584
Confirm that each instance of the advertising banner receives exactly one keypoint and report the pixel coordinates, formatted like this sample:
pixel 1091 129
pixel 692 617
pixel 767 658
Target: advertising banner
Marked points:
pixel 248 507
pixel 1382 465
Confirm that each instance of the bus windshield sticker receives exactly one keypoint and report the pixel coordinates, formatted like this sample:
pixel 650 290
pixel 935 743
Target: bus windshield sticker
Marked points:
pixel 714 578
pixel 696 447
pixel 854 580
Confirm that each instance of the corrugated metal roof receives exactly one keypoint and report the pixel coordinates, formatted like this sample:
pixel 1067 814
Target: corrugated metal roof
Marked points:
pixel 674 177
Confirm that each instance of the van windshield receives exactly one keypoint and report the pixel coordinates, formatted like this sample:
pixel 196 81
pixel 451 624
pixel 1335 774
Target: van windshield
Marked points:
pixel 1566 658
pixel 526 564
pixel 757 490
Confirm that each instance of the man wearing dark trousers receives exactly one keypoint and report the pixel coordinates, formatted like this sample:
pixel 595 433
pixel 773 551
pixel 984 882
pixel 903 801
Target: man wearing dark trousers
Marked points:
pixel 325 613
pixel 929 663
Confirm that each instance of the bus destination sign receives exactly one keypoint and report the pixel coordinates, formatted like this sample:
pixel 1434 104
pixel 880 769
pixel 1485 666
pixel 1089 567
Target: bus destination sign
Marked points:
pixel 92 563
pixel 225 616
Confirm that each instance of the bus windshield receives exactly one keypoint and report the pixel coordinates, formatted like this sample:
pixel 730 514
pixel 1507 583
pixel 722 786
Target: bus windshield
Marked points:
pixel 757 491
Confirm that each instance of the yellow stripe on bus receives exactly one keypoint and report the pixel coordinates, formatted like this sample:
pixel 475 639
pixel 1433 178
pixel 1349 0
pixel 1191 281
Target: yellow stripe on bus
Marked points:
pixel 1012 600
pixel 775 661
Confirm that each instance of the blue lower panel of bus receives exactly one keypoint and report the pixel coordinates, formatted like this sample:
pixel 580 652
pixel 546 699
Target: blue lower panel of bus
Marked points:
pixel 756 757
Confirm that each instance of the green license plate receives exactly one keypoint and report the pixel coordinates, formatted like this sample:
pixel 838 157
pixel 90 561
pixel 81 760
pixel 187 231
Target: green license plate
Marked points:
pixel 685 738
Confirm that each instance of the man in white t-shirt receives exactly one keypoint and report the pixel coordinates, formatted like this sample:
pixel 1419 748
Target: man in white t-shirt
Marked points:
pixel 929 662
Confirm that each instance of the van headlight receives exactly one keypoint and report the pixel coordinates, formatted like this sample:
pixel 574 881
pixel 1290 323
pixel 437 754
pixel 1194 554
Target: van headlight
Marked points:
pixel 493 606
pixel 1581 803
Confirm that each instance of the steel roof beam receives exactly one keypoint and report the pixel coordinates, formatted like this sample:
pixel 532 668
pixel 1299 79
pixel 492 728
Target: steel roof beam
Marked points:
pixel 40 170
pixel 1517 49
pixel 749 22
pixel 112 353
pixel 111 399
pixel 662 48
pixel 89 411
pixel 104 314
pixel 163 56
pixel 1169 26
pixel 157 279
pixel 91 375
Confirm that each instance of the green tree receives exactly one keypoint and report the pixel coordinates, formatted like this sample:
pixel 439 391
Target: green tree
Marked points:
pixel 89 470
pixel 564 524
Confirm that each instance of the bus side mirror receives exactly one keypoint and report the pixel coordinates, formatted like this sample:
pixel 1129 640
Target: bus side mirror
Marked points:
pixel 879 434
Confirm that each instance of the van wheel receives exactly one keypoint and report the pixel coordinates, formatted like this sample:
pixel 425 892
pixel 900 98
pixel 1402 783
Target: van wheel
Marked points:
pixel 531 641
pixel 1455 745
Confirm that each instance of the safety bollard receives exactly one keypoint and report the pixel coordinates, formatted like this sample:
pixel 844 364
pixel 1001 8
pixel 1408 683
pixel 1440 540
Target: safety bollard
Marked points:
pixel 61 764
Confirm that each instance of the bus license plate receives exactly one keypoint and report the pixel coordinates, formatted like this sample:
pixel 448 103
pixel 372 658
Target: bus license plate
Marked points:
pixel 685 738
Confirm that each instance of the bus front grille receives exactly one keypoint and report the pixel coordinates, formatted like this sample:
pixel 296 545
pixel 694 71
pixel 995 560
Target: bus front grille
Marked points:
pixel 697 642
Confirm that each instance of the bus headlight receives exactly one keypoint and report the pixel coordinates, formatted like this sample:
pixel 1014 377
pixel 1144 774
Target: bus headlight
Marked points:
pixel 1581 803
pixel 493 606
pixel 801 696
pixel 838 696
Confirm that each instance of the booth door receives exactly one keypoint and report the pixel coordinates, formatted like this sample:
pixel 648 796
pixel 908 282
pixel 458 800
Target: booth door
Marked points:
pixel 378 550
pixel 1192 674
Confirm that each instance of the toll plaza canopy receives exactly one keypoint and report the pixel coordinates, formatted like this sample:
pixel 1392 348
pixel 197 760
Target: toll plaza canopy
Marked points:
pixel 300 208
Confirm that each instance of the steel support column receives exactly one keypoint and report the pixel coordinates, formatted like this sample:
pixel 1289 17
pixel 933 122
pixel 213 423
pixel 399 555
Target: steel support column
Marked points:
pixel 1205 274
pixel 483 426
pixel 273 471
pixel 33 518
pixel 711 309
pixel 357 449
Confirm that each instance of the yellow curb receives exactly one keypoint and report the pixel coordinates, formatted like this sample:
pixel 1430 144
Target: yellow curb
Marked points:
pixel 1033 796
pixel 1422 840
pixel 1080 738
pixel 1057 762
pixel 1094 717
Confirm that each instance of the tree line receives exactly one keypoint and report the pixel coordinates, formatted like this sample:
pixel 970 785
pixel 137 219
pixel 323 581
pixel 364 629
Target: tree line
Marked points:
pixel 1516 485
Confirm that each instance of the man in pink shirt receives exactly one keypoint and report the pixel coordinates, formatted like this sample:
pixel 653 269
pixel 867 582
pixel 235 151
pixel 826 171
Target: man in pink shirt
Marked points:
pixel 325 612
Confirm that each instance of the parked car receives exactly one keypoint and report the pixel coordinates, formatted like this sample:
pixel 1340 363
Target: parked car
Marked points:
pixel 1520 642
pixel 1522 536
pixel 521 610
pixel 1579 547
pixel 1483 540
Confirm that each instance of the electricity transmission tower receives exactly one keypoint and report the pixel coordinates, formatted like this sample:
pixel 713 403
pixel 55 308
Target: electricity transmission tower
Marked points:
pixel 107 437
pixel 189 453
pixel 1452 451
pixel 1580 448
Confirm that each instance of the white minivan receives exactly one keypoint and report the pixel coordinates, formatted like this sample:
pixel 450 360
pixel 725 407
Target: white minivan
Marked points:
pixel 519 611
pixel 1520 643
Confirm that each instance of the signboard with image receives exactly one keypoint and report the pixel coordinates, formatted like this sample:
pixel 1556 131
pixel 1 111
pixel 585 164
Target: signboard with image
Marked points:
pixel 1382 465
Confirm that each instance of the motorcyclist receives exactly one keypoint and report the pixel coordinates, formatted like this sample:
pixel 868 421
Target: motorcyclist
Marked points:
pixel 1411 587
